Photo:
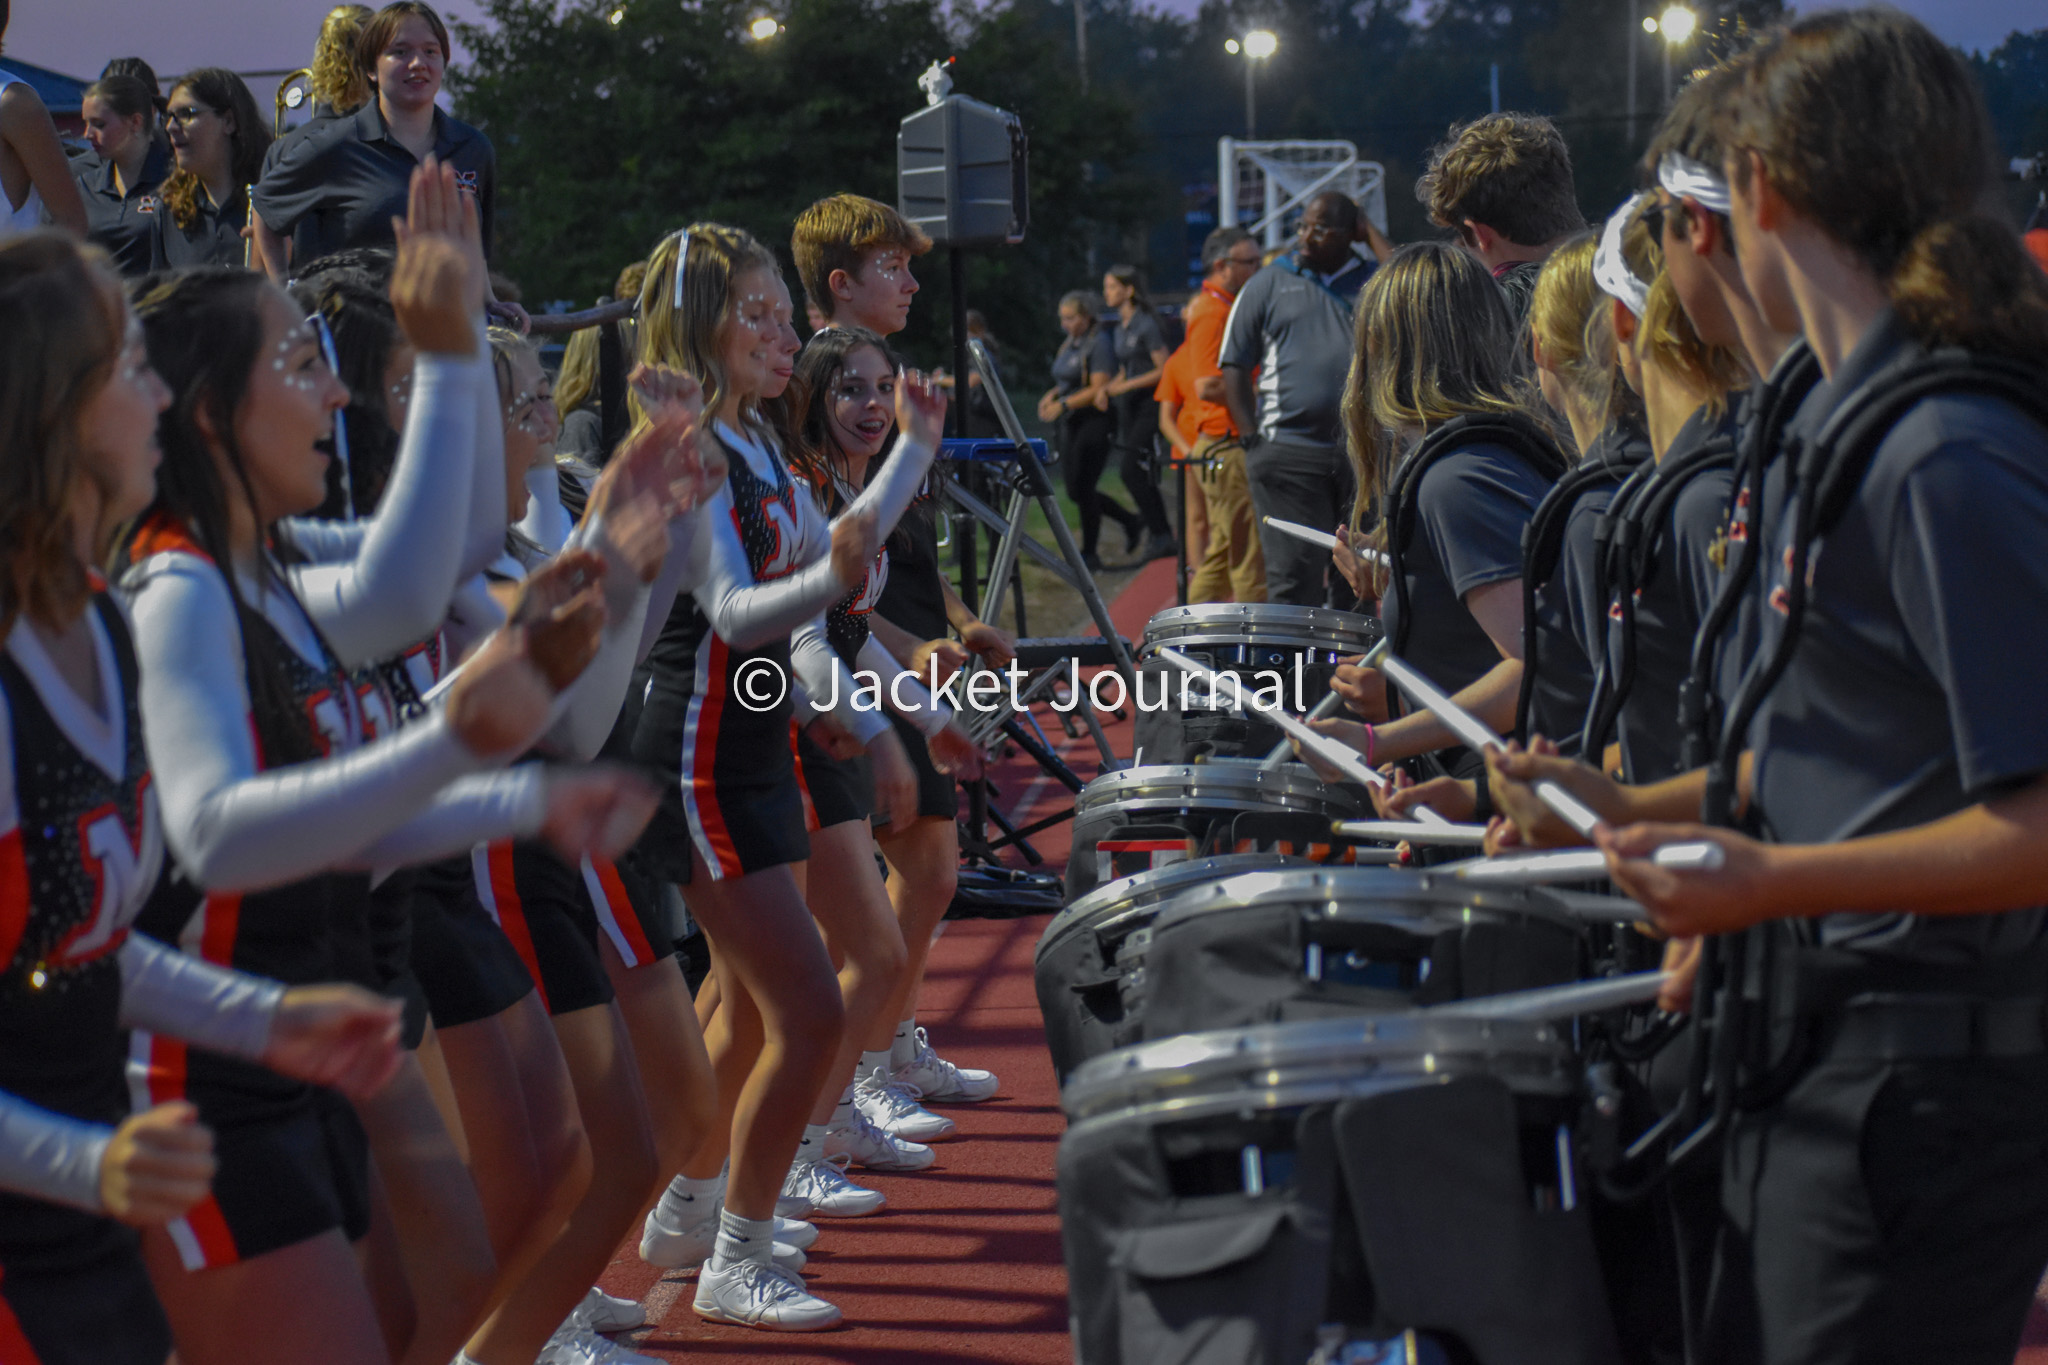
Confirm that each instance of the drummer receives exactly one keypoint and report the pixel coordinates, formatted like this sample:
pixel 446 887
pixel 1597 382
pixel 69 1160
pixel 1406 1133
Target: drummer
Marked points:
pixel 1891 1199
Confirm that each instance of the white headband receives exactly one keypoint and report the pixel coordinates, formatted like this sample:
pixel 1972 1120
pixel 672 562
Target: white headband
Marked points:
pixel 1610 266
pixel 1684 178
pixel 682 261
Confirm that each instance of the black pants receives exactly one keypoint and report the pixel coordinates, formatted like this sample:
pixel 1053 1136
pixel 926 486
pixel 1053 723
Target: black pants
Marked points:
pixel 1885 1212
pixel 1137 438
pixel 1084 455
pixel 1310 484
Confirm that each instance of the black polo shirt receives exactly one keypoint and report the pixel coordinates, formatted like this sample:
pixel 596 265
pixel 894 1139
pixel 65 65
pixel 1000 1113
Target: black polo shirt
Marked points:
pixel 215 237
pixel 1915 690
pixel 120 223
pixel 347 178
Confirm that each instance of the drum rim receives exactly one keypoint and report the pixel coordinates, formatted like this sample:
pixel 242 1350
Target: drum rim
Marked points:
pixel 1071 917
pixel 1264 622
pixel 1242 778
pixel 1531 902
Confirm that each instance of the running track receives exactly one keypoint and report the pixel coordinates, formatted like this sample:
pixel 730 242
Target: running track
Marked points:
pixel 963 1267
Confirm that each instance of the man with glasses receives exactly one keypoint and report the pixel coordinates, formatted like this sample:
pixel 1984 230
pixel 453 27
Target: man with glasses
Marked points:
pixel 1292 324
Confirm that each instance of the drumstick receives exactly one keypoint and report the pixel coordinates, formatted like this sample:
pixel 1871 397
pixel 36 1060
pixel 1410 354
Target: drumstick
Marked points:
pixel 1400 829
pixel 1475 733
pixel 1322 538
pixel 1557 1002
pixel 1336 754
pixel 1324 709
pixel 1575 864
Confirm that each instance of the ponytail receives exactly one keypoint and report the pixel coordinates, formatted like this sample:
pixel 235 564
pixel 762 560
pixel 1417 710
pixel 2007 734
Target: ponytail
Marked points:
pixel 1969 282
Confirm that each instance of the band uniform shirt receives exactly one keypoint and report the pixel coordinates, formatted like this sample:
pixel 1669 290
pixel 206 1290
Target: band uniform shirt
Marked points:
pixel 1915 688
pixel 350 176
pixel 1293 326
pixel 117 222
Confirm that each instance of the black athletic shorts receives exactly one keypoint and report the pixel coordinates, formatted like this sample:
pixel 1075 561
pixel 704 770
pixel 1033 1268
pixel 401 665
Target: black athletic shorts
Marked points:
pixel 283 1179
pixel 544 908
pixel 937 794
pixel 100 1312
pixel 466 967
pixel 627 898
pixel 841 789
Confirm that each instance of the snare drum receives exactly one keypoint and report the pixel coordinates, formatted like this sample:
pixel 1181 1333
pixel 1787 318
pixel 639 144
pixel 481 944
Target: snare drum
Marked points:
pixel 1139 819
pixel 1308 943
pixel 1258 642
pixel 1226 1195
pixel 1076 968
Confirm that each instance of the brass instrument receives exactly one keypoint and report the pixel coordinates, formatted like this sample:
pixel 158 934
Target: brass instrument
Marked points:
pixel 292 93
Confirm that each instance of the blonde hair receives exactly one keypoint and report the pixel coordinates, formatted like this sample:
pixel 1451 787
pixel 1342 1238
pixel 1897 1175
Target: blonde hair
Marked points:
pixel 335 77
pixel 1562 313
pixel 1433 341
pixel 688 339
pixel 1665 336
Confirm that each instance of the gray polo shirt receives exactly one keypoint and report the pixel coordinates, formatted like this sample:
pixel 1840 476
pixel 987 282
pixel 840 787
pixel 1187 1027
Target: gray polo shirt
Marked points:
pixel 1294 327
pixel 347 178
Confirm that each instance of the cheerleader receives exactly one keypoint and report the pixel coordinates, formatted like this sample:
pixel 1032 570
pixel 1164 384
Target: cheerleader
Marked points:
pixel 843 398
pixel 241 690
pixel 732 829
pixel 78 406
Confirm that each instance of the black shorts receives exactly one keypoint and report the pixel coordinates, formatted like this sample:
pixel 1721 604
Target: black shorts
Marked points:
pixel 283 1179
pixel 937 794
pixel 100 1312
pixel 466 967
pixel 544 908
pixel 627 899
pixel 841 789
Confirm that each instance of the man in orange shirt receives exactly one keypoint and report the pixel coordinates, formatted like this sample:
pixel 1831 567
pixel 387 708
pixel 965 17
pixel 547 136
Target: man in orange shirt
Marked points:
pixel 1232 567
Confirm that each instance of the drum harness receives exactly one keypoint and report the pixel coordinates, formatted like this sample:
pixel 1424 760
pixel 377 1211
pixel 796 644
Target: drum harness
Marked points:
pixel 1521 435
pixel 1765 994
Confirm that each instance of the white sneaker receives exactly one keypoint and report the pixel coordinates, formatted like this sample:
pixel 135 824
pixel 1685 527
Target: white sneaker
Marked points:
pixel 823 1185
pixel 755 1294
pixel 793 1207
pixel 874 1149
pixel 577 1345
pixel 795 1232
pixel 672 1248
pixel 892 1106
pixel 602 1312
pixel 939 1081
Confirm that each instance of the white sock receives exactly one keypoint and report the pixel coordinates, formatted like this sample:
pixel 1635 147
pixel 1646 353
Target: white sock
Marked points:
pixel 687 1202
pixel 842 1112
pixel 742 1239
pixel 903 1051
pixel 812 1147
pixel 882 1061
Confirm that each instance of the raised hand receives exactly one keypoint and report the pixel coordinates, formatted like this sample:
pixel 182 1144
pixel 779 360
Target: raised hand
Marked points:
pixel 920 408
pixel 339 1036
pixel 501 701
pixel 439 282
pixel 596 811
pixel 856 539
pixel 561 608
pixel 157 1166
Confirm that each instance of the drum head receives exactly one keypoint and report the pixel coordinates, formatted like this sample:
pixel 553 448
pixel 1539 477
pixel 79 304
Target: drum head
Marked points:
pixel 1214 786
pixel 1136 897
pixel 1415 898
pixel 1264 624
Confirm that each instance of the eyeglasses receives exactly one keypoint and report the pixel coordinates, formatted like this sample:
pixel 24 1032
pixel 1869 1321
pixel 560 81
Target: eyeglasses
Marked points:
pixel 1318 231
pixel 1652 217
pixel 185 115
pixel 1252 259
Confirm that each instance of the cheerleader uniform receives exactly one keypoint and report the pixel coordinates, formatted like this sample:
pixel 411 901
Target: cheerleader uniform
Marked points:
pixel 720 719
pixel 914 598
pixel 282 846
pixel 80 848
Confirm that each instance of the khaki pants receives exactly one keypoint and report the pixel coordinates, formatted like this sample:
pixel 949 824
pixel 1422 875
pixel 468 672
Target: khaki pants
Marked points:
pixel 1233 569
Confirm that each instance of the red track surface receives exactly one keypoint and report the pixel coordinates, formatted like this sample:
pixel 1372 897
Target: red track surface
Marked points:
pixel 963 1266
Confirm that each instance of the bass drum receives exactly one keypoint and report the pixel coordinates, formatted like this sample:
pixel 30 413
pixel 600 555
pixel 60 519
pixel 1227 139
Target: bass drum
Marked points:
pixel 1309 943
pixel 1235 1196
pixel 1301 645
pixel 1138 819
pixel 1076 968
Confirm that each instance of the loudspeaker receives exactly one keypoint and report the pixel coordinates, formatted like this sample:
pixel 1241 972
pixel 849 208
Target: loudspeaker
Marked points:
pixel 961 173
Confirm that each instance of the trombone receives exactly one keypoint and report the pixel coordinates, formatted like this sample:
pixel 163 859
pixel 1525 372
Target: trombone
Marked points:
pixel 295 90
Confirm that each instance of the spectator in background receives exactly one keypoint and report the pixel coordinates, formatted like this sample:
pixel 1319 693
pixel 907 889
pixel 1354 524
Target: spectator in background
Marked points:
pixel 1175 397
pixel 120 183
pixel 337 84
pixel 1078 406
pixel 1292 324
pixel 1503 182
pixel 1232 566
pixel 35 178
pixel 581 442
pixel 349 176
pixel 853 257
pixel 218 138
pixel 1141 350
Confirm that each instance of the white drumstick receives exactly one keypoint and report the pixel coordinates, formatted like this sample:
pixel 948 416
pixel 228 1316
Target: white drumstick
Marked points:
pixel 1322 538
pixel 1336 754
pixel 1557 1002
pixel 1577 864
pixel 1399 829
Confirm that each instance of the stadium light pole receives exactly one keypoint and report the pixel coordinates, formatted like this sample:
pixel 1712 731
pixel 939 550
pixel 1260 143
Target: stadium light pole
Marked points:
pixel 1256 46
